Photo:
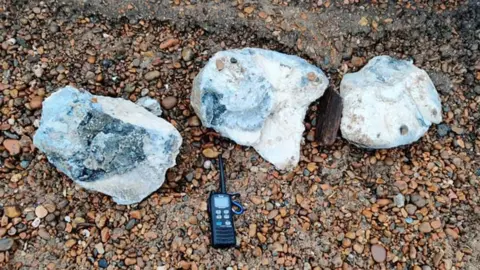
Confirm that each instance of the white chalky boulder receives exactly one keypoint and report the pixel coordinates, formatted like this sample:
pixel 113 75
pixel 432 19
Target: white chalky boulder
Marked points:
pixel 388 103
pixel 258 98
pixel 110 145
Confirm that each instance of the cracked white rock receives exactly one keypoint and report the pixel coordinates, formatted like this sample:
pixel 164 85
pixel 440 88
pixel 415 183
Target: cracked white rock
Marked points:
pixel 258 98
pixel 110 145
pixel 388 103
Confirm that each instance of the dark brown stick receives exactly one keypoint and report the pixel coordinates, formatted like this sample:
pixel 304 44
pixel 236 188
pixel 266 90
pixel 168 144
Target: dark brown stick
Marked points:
pixel 328 117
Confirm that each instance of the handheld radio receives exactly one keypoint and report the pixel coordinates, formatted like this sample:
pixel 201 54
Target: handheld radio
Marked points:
pixel 221 211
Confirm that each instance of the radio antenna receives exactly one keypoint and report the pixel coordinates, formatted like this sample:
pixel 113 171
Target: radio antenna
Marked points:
pixel 223 185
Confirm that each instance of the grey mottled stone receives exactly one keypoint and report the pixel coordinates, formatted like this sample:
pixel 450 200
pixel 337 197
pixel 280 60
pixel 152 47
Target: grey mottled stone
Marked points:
pixel 107 144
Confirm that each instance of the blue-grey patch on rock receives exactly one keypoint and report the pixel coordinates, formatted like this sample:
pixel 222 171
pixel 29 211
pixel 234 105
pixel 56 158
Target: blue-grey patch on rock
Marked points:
pixel 388 103
pixel 258 98
pixel 150 104
pixel 107 144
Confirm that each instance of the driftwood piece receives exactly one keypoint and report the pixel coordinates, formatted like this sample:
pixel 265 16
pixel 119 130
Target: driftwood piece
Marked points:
pixel 328 117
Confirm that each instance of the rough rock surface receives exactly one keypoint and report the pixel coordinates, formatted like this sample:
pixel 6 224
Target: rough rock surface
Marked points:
pixel 388 103
pixel 150 104
pixel 258 98
pixel 107 144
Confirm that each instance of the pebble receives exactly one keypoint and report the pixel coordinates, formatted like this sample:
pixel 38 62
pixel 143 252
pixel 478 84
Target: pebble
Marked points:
pixel 187 54
pixel 43 234
pixel 12 211
pixel 358 248
pixel 457 130
pixel 130 261
pixel 36 222
pixel 6 244
pixel 38 71
pixel 261 237
pixel 411 209
pixel 207 164
pixel 169 43
pixel 418 200
pixel 169 102
pixel 442 130
pixel 102 263
pixel 36 102
pixel 399 200
pixel 91 59
pixel 219 64
pixel 357 61
pixel 105 234
pixel 210 153
pixel 194 121
pixel 99 248
pixel 379 253
pixel 13 146
pixel 452 233
pixel 131 223
pixel 40 211
pixel 436 224
pixel 70 243
pixel 54 28
pixel 425 227
pixel 152 75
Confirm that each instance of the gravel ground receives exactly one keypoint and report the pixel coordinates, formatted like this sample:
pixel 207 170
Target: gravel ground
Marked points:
pixel 414 207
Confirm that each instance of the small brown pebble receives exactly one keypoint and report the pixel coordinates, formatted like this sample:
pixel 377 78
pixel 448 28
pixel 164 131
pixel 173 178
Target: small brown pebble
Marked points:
pixel 358 248
pixel 257 252
pixel 252 230
pixel 436 224
pixel 249 10
pixel 311 76
pixel 130 261
pixel 184 265
pixel 135 214
pixel 256 200
pixel 105 234
pixel 12 146
pixel 40 211
pixel 261 237
pixel 379 253
pixel 91 59
pixel 70 243
pixel 12 211
pixel 425 227
pixel 192 220
pixel 152 75
pixel 357 61
pixel 401 185
pixel 36 102
pixel 169 102
pixel 411 209
pixel 194 121
pixel 43 234
pixel 383 202
pixel 169 43
pixel 150 235
pixel 210 153
pixel 99 78
pixel 350 235
pixel 452 233
pixel 220 64
pixel 346 242
pixel 272 214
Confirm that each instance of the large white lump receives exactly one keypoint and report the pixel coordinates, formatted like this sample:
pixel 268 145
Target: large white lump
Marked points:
pixel 258 98
pixel 388 103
